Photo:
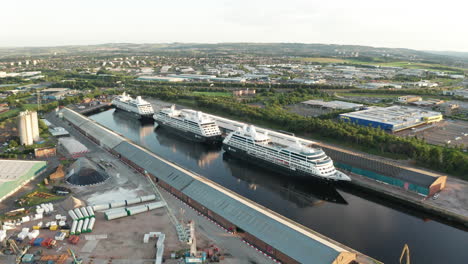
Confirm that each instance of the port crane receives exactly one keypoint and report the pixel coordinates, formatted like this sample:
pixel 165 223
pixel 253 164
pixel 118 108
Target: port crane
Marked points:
pixel 405 250
pixel 75 260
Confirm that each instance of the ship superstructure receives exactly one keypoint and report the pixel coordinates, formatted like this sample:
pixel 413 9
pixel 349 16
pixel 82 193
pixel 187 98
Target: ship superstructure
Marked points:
pixel 138 107
pixel 191 124
pixel 297 159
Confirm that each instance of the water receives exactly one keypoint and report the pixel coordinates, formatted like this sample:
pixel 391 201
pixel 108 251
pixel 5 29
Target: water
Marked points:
pixel 371 227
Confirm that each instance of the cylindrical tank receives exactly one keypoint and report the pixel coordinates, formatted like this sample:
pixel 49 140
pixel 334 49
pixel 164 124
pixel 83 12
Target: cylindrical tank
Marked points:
pixel 24 127
pixel 73 228
pixel 115 215
pixel 155 205
pixel 117 204
pixel 100 207
pixel 148 198
pixel 90 211
pixel 137 209
pixel 72 215
pixel 84 212
pixel 78 213
pixel 85 226
pixel 133 201
pixel 34 126
pixel 79 227
pixel 91 224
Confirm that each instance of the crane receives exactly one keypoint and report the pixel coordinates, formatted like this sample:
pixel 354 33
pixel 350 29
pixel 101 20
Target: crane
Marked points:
pixel 405 250
pixel 75 260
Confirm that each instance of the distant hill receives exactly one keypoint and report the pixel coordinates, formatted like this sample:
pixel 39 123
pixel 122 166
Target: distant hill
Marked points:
pixel 458 59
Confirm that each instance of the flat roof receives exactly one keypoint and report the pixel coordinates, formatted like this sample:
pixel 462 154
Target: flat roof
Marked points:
pixel 12 170
pixel 394 115
pixel 54 90
pixel 333 104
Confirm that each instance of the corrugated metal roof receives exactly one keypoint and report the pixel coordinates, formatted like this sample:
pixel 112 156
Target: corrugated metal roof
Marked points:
pixel 74 117
pixel 106 137
pixel 285 239
pixel 293 243
pixel 154 165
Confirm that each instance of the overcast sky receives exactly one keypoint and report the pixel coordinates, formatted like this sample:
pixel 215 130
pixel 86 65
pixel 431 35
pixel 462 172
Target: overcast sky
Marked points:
pixel 416 24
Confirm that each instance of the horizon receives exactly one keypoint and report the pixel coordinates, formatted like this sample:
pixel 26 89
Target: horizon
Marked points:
pixel 416 25
pixel 220 43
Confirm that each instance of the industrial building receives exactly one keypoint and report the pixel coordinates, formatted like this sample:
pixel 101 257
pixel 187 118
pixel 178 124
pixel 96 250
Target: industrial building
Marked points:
pixel 28 127
pixel 160 79
pixel 331 105
pixel 393 118
pixel 268 231
pixel 16 173
pixel 56 93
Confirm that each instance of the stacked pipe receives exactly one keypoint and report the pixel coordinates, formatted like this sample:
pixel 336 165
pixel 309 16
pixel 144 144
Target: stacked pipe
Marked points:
pixel 117 204
pixel 123 212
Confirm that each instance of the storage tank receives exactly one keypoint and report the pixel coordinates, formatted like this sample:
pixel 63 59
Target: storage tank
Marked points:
pixel 115 215
pixel 25 129
pixel 100 207
pixel 85 226
pixel 133 201
pixel 117 204
pixel 90 211
pixel 147 198
pixel 91 224
pixel 73 228
pixel 137 209
pixel 79 227
pixel 84 212
pixel 35 126
pixel 72 215
pixel 78 213
pixel 152 206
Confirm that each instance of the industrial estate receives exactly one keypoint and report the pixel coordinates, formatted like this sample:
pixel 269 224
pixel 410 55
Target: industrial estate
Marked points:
pixel 122 157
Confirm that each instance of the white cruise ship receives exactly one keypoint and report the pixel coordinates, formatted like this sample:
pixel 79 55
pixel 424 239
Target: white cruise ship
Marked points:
pixel 139 107
pixel 296 159
pixel 190 124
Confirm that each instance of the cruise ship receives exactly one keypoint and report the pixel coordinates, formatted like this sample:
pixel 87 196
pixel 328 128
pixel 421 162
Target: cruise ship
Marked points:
pixel 138 107
pixel 296 159
pixel 190 124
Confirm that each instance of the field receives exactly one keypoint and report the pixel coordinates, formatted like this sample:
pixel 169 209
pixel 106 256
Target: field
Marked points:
pixel 222 94
pixel 9 113
pixel 403 64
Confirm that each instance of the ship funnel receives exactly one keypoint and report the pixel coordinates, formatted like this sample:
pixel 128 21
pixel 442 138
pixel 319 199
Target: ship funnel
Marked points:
pixel 138 99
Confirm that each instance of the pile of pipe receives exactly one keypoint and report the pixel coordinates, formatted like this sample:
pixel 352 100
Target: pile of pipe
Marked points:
pixel 83 220
pixel 127 211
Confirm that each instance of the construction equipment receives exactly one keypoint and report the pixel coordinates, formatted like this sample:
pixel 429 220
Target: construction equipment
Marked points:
pixel 75 260
pixel 58 259
pixel 74 239
pixel 49 243
pixel 405 250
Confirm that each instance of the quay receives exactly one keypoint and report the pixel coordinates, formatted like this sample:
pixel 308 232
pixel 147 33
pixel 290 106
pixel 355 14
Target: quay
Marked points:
pixel 280 238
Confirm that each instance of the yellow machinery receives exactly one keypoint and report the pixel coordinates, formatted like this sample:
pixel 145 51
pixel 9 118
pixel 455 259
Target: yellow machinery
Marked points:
pixel 405 250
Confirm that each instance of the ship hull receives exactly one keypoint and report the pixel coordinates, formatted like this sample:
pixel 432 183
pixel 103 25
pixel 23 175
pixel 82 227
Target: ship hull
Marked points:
pixel 190 135
pixel 243 155
pixel 148 117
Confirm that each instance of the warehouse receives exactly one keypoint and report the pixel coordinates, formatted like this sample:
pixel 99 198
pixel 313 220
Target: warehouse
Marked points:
pixel 393 118
pixel 16 173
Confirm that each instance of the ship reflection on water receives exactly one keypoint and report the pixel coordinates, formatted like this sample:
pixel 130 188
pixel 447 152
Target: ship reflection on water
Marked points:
pixel 303 193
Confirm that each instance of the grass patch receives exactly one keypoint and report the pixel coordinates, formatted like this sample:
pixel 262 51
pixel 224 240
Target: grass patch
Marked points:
pixel 322 60
pixel 222 94
pixel 9 113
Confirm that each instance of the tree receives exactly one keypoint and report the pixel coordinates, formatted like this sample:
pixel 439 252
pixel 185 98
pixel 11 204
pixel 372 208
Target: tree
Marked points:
pixel 13 144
